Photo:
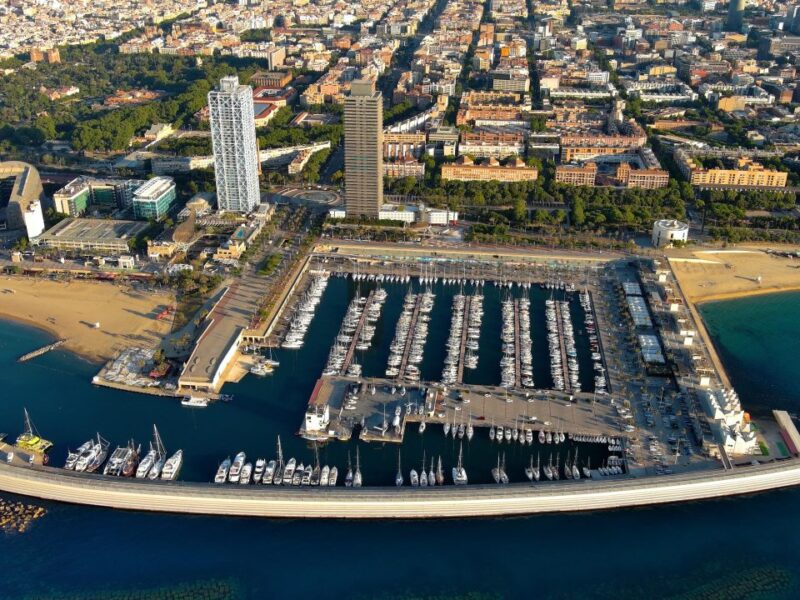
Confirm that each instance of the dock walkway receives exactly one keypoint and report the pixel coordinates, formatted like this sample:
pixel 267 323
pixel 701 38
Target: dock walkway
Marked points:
pixel 410 338
pixel 562 348
pixel 517 365
pixel 351 350
pixel 464 331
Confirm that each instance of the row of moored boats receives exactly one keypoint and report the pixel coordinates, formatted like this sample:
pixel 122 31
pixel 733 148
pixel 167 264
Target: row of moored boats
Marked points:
pixel 126 461
pixel 304 312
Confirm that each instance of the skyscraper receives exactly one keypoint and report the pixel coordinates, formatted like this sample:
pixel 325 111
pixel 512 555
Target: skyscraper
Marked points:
pixel 233 139
pixel 735 15
pixel 363 150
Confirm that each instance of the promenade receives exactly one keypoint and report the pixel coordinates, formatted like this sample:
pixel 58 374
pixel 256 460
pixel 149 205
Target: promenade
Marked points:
pixel 393 503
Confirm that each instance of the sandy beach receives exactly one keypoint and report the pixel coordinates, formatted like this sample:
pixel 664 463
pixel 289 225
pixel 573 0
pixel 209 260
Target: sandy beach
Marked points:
pixel 70 310
pixel 731 273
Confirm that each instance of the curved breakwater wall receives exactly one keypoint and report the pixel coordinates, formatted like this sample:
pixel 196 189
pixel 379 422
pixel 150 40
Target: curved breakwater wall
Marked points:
pixel 391 503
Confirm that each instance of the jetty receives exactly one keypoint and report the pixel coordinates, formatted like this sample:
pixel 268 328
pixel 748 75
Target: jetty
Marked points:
pixel 351 349
pixel 464 331
pixel 562 347
pixel 517 348
pixel 42 350
pixel 392 502
pixel 410 339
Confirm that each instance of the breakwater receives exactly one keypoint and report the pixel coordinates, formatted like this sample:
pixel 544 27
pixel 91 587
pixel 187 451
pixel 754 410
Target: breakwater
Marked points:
pixel 394 503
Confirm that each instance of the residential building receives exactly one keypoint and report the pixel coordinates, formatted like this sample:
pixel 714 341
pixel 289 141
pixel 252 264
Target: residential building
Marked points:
pixel 363 150
pixel 233 139
pixel 465 169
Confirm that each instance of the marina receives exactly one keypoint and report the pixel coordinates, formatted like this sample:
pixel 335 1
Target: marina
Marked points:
pixel 511 387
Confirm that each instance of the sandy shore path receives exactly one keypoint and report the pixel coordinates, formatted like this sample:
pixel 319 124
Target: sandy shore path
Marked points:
pixel 70 310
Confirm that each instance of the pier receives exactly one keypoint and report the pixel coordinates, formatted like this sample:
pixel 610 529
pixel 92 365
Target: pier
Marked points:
pixel 517 365
pixel 464 331
pixel 41 351
pixel 391 502
pixel 351 349
pixel 410 338
pixel 562 348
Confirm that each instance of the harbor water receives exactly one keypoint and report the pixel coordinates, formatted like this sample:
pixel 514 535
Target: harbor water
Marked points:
pixel 663 551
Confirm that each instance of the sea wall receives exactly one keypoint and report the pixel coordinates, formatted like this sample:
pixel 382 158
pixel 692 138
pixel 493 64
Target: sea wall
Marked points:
pixel 392 503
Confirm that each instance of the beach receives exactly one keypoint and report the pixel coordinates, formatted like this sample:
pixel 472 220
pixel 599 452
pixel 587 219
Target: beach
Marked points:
pixel 71 309
pixel 724 274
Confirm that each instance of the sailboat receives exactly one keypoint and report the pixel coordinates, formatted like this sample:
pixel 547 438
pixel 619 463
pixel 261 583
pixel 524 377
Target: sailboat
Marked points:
pixel 470 429
pixel 537 473
pixel 398 479
pixel 31 440
pixel 548 469
pixel 459 473
pixel 556 474
pixel 348 478
pixel 446 428
pixel 277 478
pixel 529 470
pixel 576 474
pixel 587 470
pixel 423 476
pixel 439 472
pixel 503 474
pixel 422 426
pixel 567 468
pixel 161 456
pixel 491 431
pixel 496 470
pixel 431 475
pixel 357 479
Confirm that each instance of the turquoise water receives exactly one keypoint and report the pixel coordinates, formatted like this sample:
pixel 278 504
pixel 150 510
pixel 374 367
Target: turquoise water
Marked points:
pixel 739 548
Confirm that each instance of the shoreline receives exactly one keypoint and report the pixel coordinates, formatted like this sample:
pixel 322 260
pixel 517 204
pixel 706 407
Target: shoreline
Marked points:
pixel 724 296
pixel 56 335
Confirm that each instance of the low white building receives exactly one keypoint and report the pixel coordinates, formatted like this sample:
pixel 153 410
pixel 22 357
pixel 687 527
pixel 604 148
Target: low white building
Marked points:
pixel 668 231
pixel 729 423
pixel 407 213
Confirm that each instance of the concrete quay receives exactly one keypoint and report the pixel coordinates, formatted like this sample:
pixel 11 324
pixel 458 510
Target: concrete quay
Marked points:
pixel 393 503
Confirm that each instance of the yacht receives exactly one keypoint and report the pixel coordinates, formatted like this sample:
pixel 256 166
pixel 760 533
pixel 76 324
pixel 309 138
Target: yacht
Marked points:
pixel 258 471
pixel 172 466
pixel 72 457
pixel 222 471
pixel 413 478
pixel 333 476
pixel 236 468
pixel 269 472
pixel 143 470
pixel 325 476
pixel 288 472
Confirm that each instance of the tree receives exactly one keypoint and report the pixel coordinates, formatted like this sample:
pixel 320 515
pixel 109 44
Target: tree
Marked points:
pixel 520 210
pixel 578 212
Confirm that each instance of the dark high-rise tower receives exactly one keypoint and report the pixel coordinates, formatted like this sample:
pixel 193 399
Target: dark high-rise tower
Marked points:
pixel 363 150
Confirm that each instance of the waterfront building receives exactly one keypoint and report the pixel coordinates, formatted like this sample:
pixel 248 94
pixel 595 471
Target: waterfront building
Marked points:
pixel 233 140
pixel 743 172
pixel 87 236
pixel 154 199
pixel 363 150
pixel 668 231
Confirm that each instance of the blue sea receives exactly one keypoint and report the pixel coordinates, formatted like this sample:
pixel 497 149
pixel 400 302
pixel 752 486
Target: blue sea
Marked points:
pixel 732 548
